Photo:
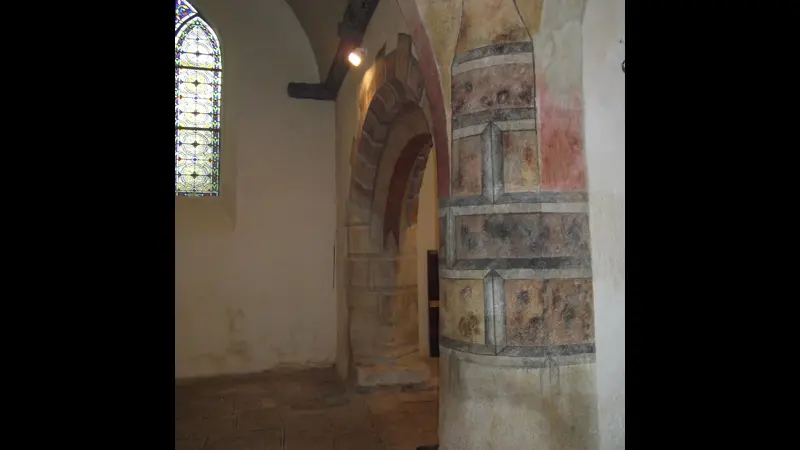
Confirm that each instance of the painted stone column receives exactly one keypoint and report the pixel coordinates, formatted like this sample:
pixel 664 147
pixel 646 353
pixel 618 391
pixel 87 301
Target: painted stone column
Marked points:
pixel 517 356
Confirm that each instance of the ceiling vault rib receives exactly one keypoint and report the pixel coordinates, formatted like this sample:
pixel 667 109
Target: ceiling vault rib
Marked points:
pixel 351 31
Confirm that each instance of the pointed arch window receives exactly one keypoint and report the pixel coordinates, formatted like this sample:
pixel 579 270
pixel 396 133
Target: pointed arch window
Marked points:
pixel 198 82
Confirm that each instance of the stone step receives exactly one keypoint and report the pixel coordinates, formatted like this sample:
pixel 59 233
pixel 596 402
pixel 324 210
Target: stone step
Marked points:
pixel 407 371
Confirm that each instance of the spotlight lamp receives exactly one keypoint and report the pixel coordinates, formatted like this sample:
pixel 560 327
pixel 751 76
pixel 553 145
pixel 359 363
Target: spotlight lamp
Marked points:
pixel 356 56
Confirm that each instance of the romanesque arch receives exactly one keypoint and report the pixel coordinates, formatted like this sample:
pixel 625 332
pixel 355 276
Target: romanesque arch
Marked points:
pixel 432 80
pixel 388 157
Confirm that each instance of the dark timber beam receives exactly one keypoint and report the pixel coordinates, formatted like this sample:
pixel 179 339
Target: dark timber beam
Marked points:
pixel 351 32
pixel 314 91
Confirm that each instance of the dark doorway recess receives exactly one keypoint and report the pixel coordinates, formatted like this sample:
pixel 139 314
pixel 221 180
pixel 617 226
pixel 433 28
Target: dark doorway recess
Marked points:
pixel 433 302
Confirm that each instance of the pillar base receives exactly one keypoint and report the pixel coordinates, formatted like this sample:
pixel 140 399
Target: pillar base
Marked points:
pixel 506 403
pixel 410 369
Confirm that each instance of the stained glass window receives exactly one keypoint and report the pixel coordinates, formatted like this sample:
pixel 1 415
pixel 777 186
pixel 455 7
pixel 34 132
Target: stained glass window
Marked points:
pixel 198 79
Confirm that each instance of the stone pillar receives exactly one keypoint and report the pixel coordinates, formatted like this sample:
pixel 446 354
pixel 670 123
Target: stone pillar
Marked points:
pixel 382 303
pixel 517 356
pixel 384 296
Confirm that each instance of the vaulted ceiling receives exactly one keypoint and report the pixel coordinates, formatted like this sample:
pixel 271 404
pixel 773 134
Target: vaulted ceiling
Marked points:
pixel 320 19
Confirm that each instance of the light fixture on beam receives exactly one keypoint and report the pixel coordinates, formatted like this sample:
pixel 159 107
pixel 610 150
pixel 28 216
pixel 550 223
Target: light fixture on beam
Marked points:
pixel 357 56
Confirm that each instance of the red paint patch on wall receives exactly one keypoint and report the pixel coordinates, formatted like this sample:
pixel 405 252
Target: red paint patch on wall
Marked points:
pixel 561 137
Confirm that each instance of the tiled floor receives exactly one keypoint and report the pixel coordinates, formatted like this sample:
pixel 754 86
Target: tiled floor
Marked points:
pixel 306 410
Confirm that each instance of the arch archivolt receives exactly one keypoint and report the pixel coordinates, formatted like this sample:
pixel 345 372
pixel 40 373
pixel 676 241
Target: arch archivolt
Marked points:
pixel 388 156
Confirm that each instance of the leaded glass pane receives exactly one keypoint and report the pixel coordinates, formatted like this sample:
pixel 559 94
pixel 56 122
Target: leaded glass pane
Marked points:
pixel 196 46
pixel 198 79
pixel 197 99
pixel 183 11
pixel 196 162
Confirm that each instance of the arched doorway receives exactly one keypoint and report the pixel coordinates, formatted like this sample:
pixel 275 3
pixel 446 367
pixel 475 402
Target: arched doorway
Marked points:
pixel 389 155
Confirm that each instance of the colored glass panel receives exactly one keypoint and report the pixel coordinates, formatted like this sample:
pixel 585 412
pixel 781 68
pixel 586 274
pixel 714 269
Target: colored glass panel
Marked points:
pixel 196 45
pixel 198 81
pixel 183 11
pixel 196 162
pixel 197 98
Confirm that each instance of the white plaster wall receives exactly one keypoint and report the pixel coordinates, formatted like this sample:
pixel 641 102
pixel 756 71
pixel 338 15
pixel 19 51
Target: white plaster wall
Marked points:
pixel 604 91
pixel 253 268
pixel 427 239
pixel 386 23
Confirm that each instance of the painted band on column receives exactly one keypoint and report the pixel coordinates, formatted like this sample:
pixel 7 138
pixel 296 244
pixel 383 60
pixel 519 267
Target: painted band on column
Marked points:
pixel 516 273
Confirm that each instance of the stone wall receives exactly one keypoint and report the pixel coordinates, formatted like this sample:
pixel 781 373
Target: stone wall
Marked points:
pixel 242 257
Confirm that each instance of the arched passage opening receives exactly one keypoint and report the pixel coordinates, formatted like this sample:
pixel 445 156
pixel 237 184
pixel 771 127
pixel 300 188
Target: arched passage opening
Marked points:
pixel 389 156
